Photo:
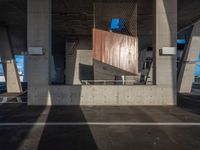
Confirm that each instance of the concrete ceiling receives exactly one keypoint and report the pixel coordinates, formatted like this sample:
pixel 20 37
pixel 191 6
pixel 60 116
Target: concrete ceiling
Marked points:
pixel 70 18
pixel 188 12
pixel 13 15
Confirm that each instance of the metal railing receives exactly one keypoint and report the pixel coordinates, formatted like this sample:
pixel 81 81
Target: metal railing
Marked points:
pixel 109 82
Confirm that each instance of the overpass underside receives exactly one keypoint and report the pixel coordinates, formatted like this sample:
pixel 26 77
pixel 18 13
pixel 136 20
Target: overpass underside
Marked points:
pixel 87 60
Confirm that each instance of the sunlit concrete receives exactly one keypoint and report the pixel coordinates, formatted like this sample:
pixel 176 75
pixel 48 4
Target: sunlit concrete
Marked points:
pixel 75 66
pixel 165 35
pixel 102 95
pixel 9 64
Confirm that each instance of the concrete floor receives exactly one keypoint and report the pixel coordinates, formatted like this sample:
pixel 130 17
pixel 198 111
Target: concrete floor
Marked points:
pixel 102 137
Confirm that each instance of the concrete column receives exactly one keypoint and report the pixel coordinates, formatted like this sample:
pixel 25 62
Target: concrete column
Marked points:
pixel 79 67
pixel 165 35
pixel 39 35
pixel 9 64
pixel 186 75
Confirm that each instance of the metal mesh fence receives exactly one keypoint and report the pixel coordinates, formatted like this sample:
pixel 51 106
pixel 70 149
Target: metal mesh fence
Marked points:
pixel 117 16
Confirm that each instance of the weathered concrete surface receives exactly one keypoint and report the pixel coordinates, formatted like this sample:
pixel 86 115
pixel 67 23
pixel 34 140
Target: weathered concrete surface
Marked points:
pixel 105 137
pixel 186 75
pixel 165 35
pixel 102 95
pixel 39 35
pixel 79 67
pixel 103 71
pixel 9 64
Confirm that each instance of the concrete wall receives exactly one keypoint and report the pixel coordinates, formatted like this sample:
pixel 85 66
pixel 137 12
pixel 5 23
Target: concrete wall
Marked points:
pixel 79 67
pixel 104 71
pixel 165 35
pixel 102 95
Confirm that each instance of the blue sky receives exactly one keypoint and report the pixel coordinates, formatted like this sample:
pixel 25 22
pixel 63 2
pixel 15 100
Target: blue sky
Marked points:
pixel 197 68
pixel 20 64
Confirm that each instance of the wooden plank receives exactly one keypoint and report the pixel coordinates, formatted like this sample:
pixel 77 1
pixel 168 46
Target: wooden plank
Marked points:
pixel 115 49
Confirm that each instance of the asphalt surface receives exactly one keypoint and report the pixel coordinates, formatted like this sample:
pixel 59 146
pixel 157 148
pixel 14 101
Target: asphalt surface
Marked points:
pixel 103 136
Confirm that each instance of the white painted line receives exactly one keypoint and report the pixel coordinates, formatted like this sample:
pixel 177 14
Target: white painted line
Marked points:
pixel 13 102
pixel 102 124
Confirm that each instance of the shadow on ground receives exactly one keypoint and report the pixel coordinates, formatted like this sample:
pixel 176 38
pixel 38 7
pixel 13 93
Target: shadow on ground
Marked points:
pixel 43 137
pixel 104 137
pixel 66 137
pixel 190 103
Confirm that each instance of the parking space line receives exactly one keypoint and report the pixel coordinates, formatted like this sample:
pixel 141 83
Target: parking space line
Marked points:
pixel 102 124
pixel 13 102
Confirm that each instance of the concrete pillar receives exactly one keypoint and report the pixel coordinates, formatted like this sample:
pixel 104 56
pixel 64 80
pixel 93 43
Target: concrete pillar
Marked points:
pixel 165 35
pixel 79 67
pixel 9 64
pixel 39 35
pixel 186 75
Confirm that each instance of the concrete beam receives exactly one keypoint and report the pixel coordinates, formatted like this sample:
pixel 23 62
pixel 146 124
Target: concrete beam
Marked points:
pixel 186 75
pixel 9 64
